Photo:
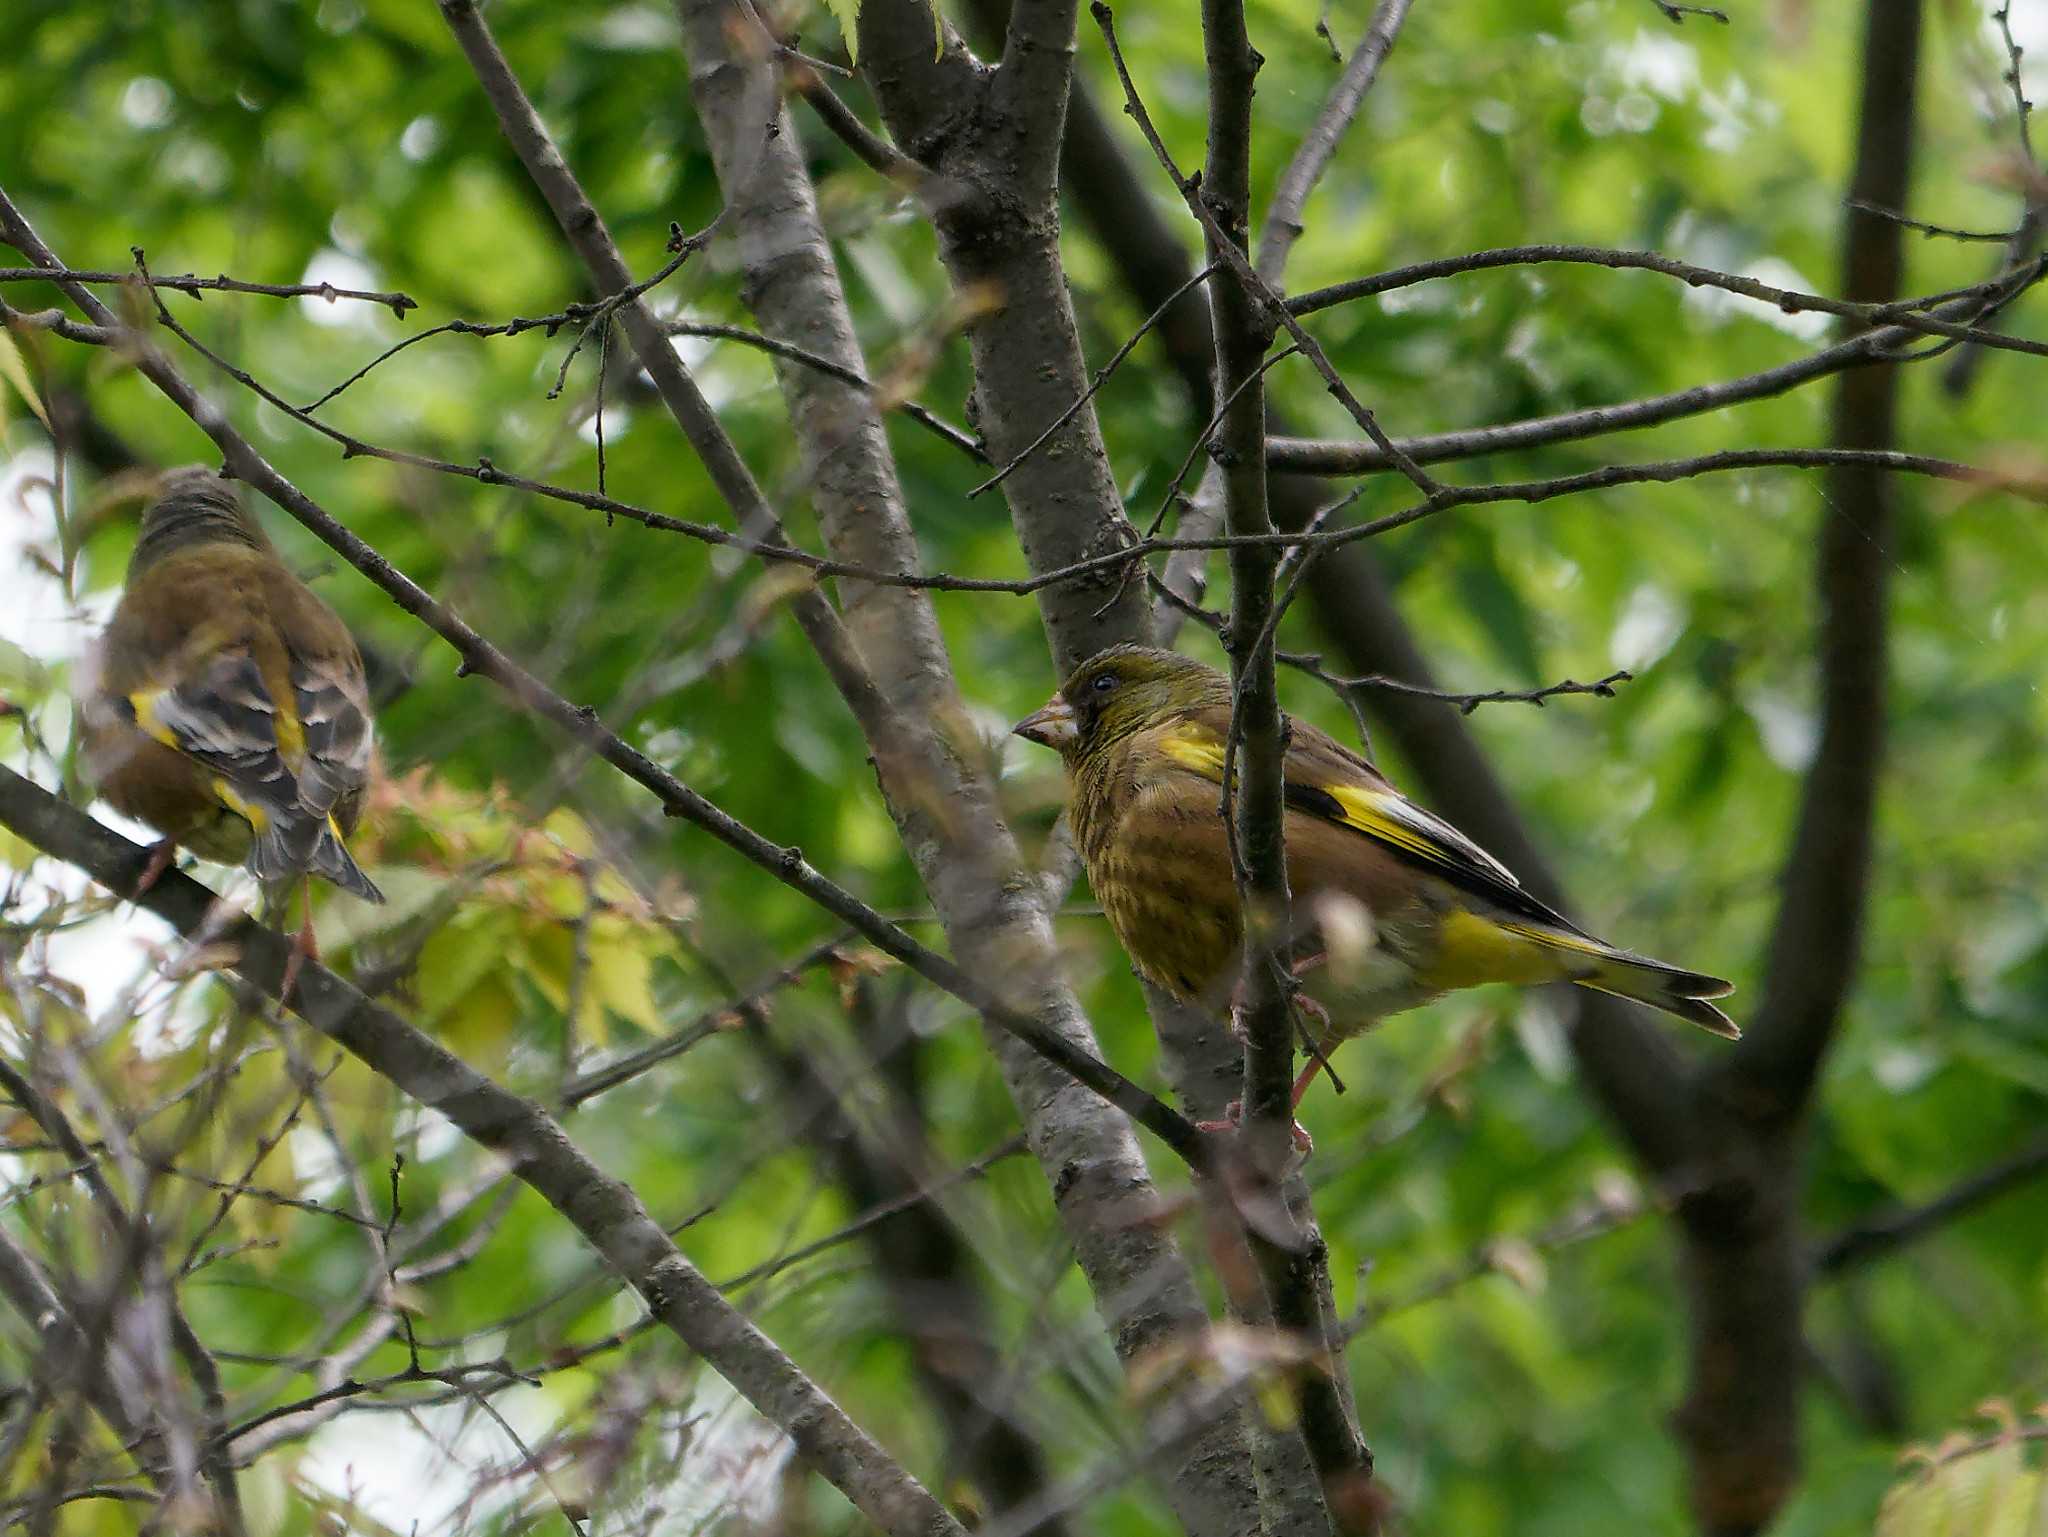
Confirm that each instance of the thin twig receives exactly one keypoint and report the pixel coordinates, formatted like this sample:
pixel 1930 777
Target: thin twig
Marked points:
pixel 965 441
pixel 2023 109
pixel 1205 436
pixel 1943 231
pixel 188 283
pixel 710 1022
pixel 1282 226
pixel 1191 193
pixel 1875 1237
pixel 681 246
pixel 874 151
pixel 1100 378
pixel 1676 14
pixel 1905 315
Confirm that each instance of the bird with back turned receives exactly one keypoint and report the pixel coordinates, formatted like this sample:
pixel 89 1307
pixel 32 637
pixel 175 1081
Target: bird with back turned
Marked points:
pixel 1391 905
pixel 225 704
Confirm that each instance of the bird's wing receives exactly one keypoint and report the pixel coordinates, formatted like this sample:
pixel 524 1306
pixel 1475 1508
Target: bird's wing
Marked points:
pixel 222 717
pixel 1325 780
pixel 272 765
pixel 334 726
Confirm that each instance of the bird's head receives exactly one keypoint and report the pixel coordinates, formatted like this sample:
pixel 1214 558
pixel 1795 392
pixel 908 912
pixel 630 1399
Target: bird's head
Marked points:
pixel 1120 691
pixel 194 505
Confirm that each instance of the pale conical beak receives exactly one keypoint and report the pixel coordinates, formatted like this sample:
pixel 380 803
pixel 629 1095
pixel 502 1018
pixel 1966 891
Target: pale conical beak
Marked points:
pixel 1052 725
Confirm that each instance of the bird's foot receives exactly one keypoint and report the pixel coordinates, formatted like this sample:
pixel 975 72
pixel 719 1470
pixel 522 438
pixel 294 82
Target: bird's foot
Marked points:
pixel 1305 1006
pixel 304 948
pixel 1233 1122
pixel 161 855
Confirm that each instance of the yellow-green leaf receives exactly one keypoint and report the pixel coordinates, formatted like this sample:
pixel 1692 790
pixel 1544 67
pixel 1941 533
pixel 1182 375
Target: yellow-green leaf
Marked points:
pixel 14 370
pixel 846 13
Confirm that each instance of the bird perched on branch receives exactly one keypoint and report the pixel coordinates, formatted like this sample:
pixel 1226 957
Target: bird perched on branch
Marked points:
pixel 225 704
pixel 1391 905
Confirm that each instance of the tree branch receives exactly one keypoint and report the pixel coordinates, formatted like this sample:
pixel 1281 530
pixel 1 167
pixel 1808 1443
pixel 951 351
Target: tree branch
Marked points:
pixel 481 656
pixel 944 806
pixel 1744 1264
pixel 604 1210
pixel 1815 942
pixel 1633 1069
pixel 1905 314
pixel 1875 1238
pixel 188 283
pixel 1291 1260
pixel 1282 226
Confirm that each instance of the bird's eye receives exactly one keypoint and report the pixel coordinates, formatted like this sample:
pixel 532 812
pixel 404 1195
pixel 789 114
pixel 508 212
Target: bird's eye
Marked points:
pixel 1104 683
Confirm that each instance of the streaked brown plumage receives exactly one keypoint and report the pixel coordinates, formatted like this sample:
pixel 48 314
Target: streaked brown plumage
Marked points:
pixel 1393 906
pixel 225 704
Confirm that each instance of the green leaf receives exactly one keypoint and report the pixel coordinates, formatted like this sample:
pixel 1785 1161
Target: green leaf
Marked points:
pixel 846 13
pixel 14 369
pixel 1990 1493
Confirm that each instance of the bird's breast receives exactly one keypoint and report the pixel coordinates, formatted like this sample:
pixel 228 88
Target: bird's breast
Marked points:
pixel 1159 865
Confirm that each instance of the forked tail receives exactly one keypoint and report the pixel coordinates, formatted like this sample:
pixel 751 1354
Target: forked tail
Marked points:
pixel 1675 991
pixel 284 850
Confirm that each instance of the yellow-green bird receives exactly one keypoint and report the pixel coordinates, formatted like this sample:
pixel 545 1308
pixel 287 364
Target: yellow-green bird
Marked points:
pixel 225 704
pixel 1393 906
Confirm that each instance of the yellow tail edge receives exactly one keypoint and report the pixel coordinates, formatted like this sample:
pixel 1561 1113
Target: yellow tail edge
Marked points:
pixel 1638 978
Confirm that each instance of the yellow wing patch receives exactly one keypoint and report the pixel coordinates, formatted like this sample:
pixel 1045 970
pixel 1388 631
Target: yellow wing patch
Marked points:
pixel 248 811
pixel 1381 814
pixel 1201 751
pixel 1368 812
pixel 148 721
pixel 1584 944
pixel 290 734
pixel 1471 950
pixel 1375 813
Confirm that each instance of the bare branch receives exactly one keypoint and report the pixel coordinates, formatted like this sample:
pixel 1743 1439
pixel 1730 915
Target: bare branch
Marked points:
pixel 1100 378
pixel 1316 456
pixel 1254 821
pixel 1240 263
pixel 2025 240
pixel 1676 14
pixel 1282 226
pixel 1745 1264
pixel 1877 1237
pixel 582 725
pixel 1904 314
pixel 1932 231
pixel 586 315
pixel 604 1210
pixel 871 148
pixel 944 430
pixel 1290 1256
pixel 187 283
pixel 2023 110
